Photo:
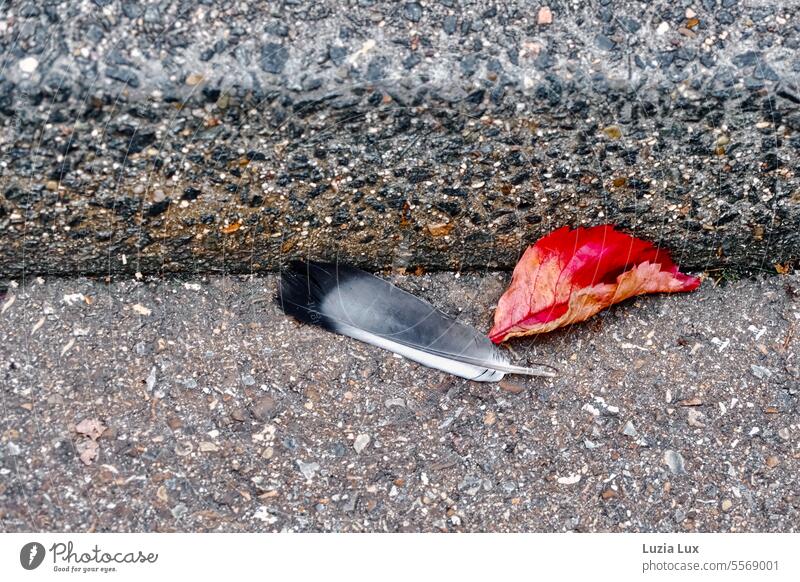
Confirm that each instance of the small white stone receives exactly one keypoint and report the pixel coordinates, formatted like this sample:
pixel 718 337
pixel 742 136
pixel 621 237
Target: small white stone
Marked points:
pixel 569 480
pixel 545 15
pixel 590 409
pixel 72 298
pixel 142 310
pixel 674 460
pixel 151 379
pixel 28 64
pixel 361 443
pixel 630 430
pixel 308 469
pixel 695 418
pixel 263 514
pixel 662 28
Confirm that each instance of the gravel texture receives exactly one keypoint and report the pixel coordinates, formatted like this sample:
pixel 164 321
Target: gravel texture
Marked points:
pixel 224 136
pixel 194 405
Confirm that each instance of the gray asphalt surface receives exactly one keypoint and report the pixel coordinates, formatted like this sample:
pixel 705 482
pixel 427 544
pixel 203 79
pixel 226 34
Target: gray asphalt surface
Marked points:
pixel 671 413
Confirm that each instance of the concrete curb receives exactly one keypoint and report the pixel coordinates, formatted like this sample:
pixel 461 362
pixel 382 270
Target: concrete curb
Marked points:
pixel 446 135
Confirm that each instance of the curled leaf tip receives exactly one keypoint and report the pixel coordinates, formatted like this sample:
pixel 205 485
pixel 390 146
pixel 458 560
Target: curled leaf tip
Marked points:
pixel 570 275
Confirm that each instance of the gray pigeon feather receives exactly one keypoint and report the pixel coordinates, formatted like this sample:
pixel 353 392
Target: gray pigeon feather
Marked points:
pixel 357 304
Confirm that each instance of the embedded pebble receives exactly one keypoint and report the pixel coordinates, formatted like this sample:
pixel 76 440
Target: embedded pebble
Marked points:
pixel 412 11
pixel 179 511
pixel 194 79
pixel 695 418
pixel 273 57
pixel 151 379
pixel 569 479
pixel 142 310
pixel 308 469
pixel 470 485
pixel 361 443
pixel 28 64
pixel 674 460
pixel 545 15
pixel 590 409
pixel 264 408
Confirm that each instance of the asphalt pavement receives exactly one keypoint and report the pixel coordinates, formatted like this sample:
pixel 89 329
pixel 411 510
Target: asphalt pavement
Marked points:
pixel 193 404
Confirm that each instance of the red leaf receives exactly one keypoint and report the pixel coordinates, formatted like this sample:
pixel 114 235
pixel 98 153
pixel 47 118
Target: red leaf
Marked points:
pixel 569 275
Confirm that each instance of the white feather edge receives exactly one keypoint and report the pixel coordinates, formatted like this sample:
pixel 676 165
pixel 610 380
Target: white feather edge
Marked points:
pixel 485 372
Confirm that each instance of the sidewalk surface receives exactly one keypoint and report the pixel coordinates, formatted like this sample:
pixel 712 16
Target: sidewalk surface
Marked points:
pixel 671 413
